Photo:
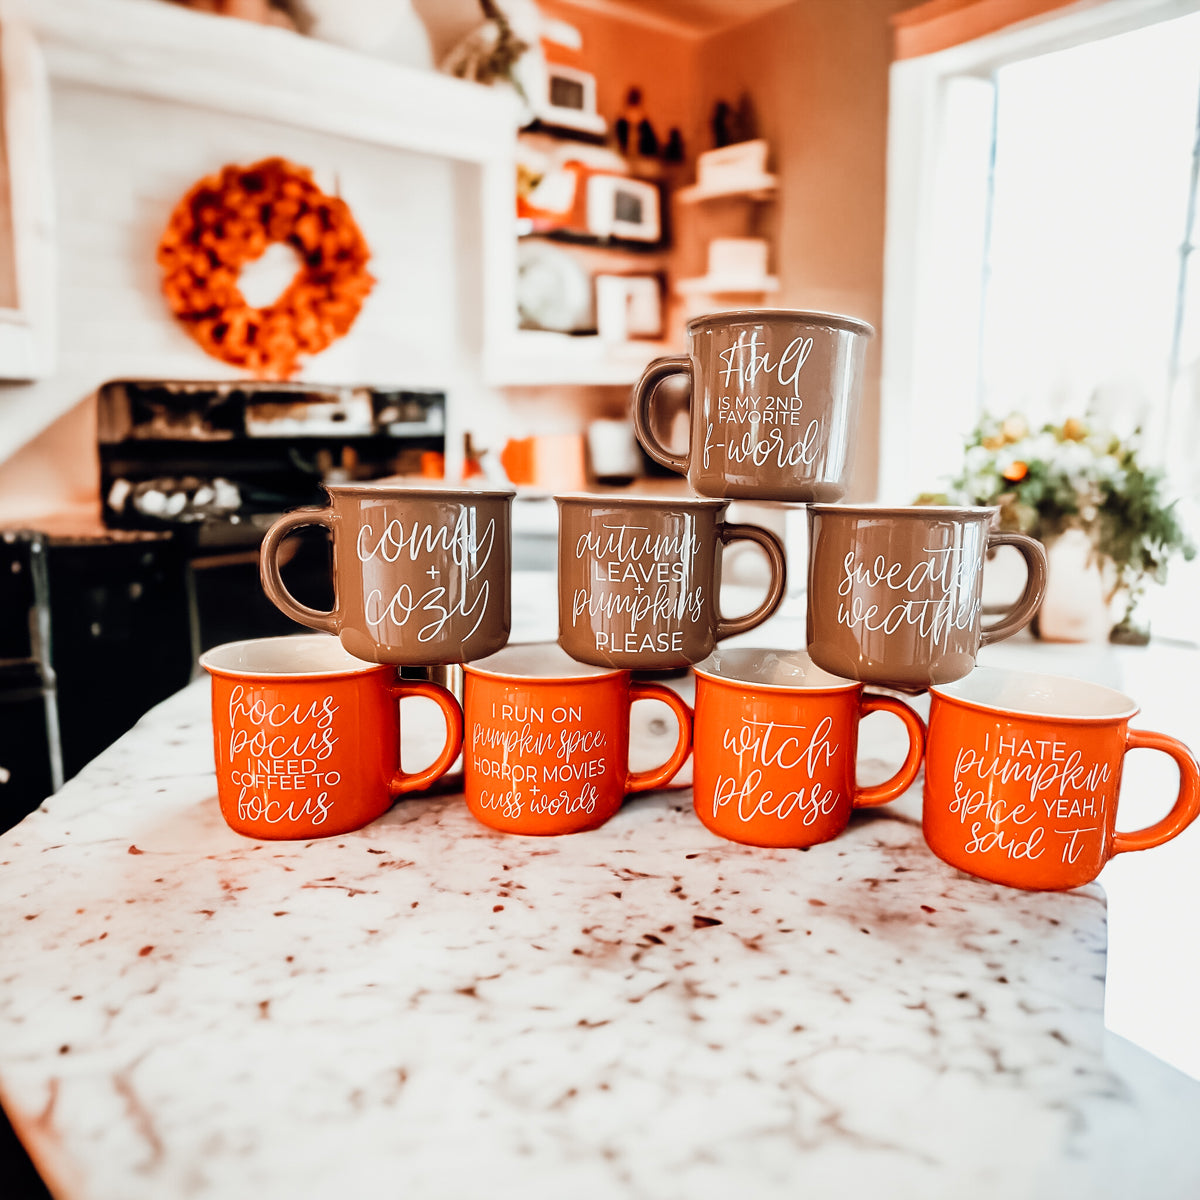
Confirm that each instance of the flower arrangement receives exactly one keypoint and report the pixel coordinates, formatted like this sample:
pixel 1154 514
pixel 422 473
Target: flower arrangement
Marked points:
pixel 1074 476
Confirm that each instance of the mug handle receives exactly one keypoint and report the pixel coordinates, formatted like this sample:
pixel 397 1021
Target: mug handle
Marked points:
pixel 272 581
pixel 730 532
pixel 891 789
pixel 402 781
pixel 643 395
pixel 641 781
pixel 1023 611
pixel 1187 803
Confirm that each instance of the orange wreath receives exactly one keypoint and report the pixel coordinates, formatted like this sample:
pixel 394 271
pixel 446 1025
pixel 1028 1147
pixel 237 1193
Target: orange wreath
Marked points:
pixel 228 220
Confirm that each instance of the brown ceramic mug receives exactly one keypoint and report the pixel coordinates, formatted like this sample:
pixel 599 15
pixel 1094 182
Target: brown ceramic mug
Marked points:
pixel 421 573
pixel 639 579
pixel 774 404
pixel 895 594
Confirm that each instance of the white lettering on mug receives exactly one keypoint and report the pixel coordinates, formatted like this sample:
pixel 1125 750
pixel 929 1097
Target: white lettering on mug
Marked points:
pixel 546 767
pixel 431 604
pixel 1045 782
pixel 463 544
pixel 281 748
pixel 665 593
pixel 792 748
pixel 745 362
pixel 955 604
pixel 763 428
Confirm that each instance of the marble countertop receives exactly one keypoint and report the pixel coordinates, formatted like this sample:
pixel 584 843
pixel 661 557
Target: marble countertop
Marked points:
pixel 643 1010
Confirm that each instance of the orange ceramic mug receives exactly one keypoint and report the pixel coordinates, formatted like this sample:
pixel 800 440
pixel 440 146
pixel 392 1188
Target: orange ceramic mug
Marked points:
pixel 547 743
pixel 307 738
pixel 1022 776
pixel 776 741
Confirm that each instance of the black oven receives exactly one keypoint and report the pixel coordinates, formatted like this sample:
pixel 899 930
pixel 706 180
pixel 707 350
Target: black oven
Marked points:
pixel 216 464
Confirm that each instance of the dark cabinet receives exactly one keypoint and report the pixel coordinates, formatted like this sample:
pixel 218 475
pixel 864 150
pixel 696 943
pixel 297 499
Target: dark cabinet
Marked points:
pixel 119 636
pixel 93 633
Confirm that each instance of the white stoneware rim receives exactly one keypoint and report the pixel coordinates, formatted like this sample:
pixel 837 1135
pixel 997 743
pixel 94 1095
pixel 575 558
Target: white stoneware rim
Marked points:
pixel 536 660
pixel 947 512
pixel 760 667
pixel 279 657
pixel 1058 697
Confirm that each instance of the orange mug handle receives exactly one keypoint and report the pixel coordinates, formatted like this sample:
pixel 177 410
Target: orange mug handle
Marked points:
pixel 1187 803
pixel 643 397
pixel 730 532
pixel 272 581
pixel 1030 600
pixel 642 781
pixel 891 789
pixel 402 781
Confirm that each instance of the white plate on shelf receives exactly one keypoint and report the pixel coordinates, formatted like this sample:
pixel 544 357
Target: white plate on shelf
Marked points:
pixel 554 291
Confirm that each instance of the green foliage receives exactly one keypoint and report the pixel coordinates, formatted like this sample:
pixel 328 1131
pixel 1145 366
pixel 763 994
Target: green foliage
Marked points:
pixel 1072 477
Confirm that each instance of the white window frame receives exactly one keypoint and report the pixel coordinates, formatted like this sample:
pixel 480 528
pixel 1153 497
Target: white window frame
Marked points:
pixel 913 413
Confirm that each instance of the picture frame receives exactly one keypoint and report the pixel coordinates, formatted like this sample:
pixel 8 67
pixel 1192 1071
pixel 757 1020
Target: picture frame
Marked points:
pixel 629 307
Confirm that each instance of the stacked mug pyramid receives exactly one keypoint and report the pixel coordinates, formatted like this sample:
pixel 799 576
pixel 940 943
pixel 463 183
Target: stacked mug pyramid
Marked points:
pixel 1022 772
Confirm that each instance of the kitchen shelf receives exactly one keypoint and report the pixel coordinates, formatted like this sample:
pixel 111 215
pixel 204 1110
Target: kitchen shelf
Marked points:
pixel 566 133
pixel 756 187
pixel 249 70
pixel 568 237
pixel 534 357
pixel 717 285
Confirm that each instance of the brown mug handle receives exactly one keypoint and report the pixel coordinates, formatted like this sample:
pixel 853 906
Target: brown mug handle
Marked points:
pixel 643 396
pixel 1187 803
pixel 641 781
pixel 1022 612
pixel 730 532
pixel 892 789
pixel 272 581
pixel 403 781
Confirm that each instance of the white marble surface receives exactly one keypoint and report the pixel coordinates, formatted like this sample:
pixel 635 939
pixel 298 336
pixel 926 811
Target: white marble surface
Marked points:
pixel 437 1010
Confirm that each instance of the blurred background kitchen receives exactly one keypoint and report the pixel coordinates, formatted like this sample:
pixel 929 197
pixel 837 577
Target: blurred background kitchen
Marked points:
pixel 1005 189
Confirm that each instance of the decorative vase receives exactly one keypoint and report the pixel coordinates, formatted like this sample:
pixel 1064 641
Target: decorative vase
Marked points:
pixel 1076 607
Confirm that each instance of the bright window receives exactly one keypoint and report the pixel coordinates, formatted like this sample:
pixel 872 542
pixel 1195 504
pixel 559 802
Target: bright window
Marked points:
pixel 1042 195
pixel 1093 163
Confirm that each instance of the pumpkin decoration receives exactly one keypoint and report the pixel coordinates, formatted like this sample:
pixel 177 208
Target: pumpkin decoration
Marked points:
pixel 227 220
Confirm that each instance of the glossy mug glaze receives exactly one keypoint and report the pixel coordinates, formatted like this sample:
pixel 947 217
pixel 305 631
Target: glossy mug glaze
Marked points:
pixel 776 740
pixel 421 572
pixel 639 579
pixel 306 737
pixel 546 749
pixel 1023 774
pixel 895 595
pixel 774 404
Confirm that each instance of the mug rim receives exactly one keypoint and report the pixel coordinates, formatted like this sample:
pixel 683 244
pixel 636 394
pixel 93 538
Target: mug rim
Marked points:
pixel 596 498
pixel 1127 710
pixel 800 315
pixel 423 488
pixel 946 511
pixel 576 671
pixel 836 683
pixel 347 668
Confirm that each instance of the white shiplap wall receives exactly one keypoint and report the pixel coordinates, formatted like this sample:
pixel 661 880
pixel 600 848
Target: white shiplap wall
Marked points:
pixel 120 164
pixel 146 98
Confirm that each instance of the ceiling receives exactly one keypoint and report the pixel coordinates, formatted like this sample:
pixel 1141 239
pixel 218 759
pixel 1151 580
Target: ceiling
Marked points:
pixel 686 16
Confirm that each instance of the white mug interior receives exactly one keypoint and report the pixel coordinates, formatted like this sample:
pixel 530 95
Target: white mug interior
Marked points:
pixel 536 660
pixel 1026 694
pixel 790 670
pixel 303 654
